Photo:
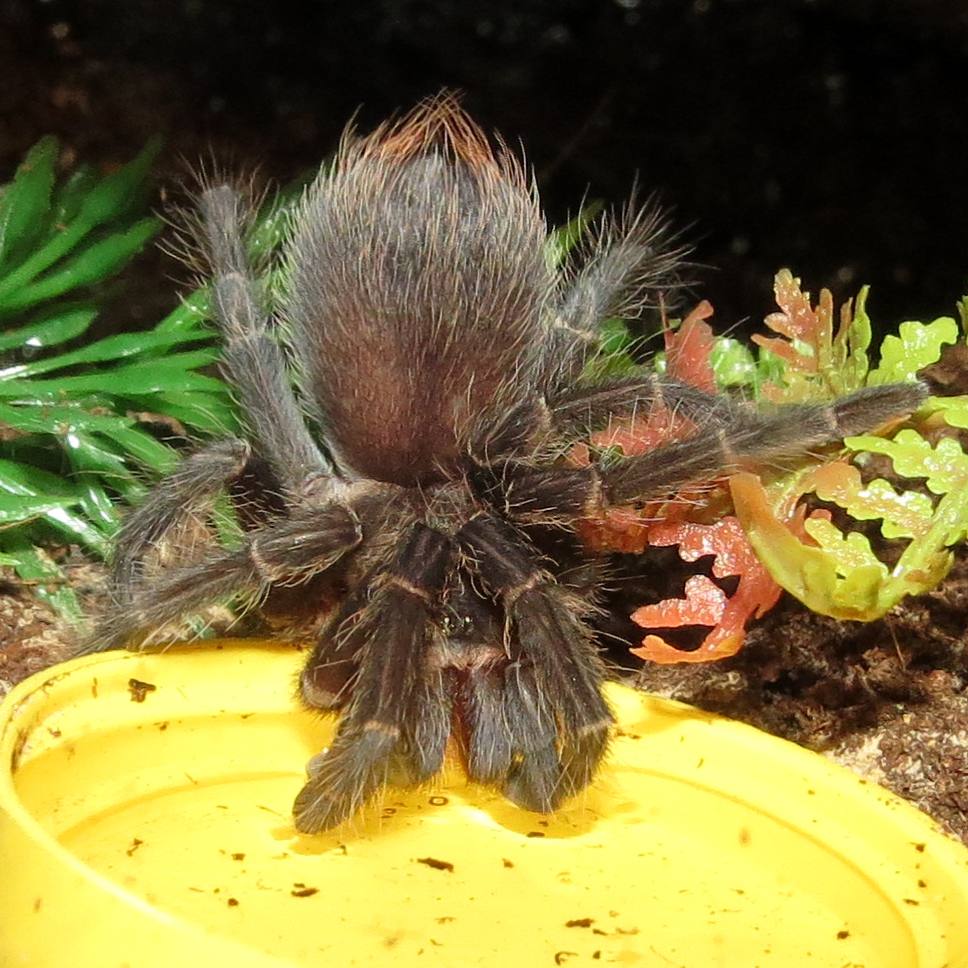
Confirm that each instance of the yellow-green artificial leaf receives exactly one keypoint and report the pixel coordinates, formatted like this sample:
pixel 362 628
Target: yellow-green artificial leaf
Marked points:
pixel 943 466
pixel 916 346
pixel 905 514
pixel 952 410
pixel 849 355
pixel 809 573
pixel 819 361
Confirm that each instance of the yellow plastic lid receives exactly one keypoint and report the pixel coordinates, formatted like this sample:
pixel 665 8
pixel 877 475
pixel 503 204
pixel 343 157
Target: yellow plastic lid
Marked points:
pixel 145 822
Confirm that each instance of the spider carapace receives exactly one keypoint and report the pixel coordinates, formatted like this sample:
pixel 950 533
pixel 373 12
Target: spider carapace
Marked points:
pixel 415 481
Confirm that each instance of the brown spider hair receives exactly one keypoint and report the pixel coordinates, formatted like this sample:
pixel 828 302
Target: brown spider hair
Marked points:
pixel 413 488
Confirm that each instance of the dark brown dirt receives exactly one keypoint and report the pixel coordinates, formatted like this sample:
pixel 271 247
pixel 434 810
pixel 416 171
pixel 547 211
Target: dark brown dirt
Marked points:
pixel 31 637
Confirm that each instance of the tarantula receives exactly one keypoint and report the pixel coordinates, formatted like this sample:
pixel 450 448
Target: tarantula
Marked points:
pixel 414 487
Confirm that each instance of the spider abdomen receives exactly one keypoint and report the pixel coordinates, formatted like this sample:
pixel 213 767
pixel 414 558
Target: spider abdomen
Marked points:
pixel 422 290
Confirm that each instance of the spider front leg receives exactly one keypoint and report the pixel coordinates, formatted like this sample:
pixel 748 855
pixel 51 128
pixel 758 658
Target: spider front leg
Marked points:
pixel 552 710
pixel 187 493
pixel 252 358
pixel 751 434
pixel 511 735
pixel 291 550
pixel 396 719
pixel 732 435
pixel 576 411
pixel 285 461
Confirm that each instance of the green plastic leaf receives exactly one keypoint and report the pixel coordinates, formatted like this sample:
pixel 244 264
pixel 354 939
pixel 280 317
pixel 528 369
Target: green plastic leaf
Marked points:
pixel 821 358
pixel 71 444
pixel 210 414
pixel 119 190
pixel 851 343
pixel 564 238
pixel 830 566
pixel 28 492
pixel 36 568
pixel 175 373
pixel 733 363
pixel 16 508
pixel 108 201
pixel 839 574
pixel 944 466
pixel 60 420
pixel 841 578
pixel 96 262
pixel 108 350
pixel 58 326
pixel 952 410
pixel 144 448
pixel 24 202
pixel 192 315
pixel 26 481
pixel 916 346
pixel 274 220
pixel 69 196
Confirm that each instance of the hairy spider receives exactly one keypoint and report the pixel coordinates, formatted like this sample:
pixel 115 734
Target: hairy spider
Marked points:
pixel 415 489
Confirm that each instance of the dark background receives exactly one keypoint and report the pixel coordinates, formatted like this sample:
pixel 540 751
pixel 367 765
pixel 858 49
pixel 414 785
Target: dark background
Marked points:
pixel 828 136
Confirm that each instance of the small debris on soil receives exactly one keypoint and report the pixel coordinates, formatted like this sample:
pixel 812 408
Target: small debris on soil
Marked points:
pixel 32 638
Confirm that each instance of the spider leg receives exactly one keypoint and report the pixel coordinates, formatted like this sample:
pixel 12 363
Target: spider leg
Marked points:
pixel 511 734
pixel 756 435
pixel 580 410
pixel 252 356
pixel 560 493
pixel 257 369
pixel 289 551
pixel 573 413
pixel 589 408
pixel 488 744
pixel 552 702
pixel 426 732
pixel 395 723
pixel 187 491
pixel 633 258
pixel 327 678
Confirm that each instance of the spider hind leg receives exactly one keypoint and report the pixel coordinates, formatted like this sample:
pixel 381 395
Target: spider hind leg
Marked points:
pixel 549 702
pixel 396 720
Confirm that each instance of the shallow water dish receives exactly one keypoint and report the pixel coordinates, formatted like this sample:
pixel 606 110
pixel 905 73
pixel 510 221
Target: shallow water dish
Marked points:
pixel 145 823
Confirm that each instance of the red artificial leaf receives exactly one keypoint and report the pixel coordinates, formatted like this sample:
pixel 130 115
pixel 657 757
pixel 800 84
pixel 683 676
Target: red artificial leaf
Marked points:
pixel 629 529
pixel 706 604
pixel 807 329
pixel 688 349
pixel 626 529
pixel 643 434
